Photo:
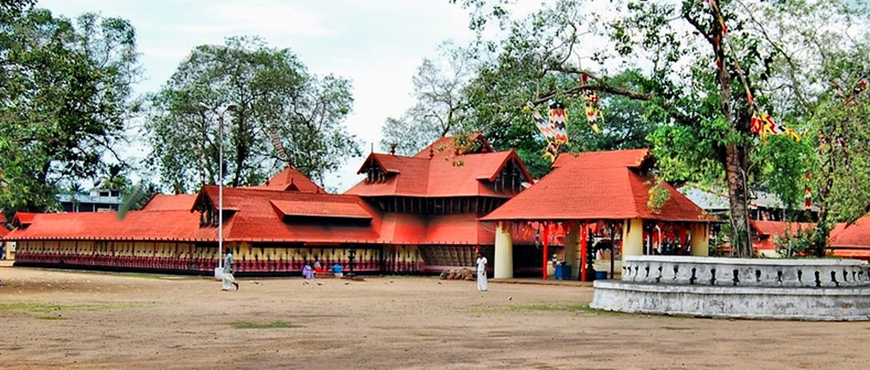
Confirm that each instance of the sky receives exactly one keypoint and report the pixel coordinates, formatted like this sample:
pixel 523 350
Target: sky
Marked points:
pixel 377 44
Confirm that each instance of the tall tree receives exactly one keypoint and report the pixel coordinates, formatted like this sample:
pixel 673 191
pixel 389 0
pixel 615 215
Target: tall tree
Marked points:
pixel 699 68
pixel 440 101
pixel 284 115
pixel 65 96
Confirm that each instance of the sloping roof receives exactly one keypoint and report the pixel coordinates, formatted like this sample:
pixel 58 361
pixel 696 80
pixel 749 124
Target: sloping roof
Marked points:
pixel 778 228
pixel 715 198
pixel 315 209
pixel 167 202
pixel 856 235
pixel 290 179
pixel 596 185
pixel 22 218
pixel 3 231
pixel 258 215
pixel 3 219
pixel 453 176
pixel 630 158
pixel 446 146
pixel 137 225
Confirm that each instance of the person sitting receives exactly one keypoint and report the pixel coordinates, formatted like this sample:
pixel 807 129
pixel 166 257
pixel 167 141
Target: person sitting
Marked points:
pixel 336 269
pixel 307 272
pixel 317 267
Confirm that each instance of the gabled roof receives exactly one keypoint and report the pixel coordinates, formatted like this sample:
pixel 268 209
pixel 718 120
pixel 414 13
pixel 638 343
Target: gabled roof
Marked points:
pixel 136 225
pixel 446 146
pixel 596 185
pixel 290 179
pixel 167 202
pixel 22 218
pixel 439 176
pixel 3 232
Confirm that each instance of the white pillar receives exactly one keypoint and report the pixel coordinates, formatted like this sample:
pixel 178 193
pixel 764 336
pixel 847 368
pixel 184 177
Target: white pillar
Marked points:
pixel 700 243
pixel 632 238
pixel 504 252
pixel 572 251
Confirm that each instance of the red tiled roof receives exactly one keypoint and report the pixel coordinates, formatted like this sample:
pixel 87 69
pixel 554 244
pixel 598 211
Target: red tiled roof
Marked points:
pixel 777 228
pixel 861 254
pixel 257 219
pixel 438 176
pixel 313 209
pixel 22 218
pixel 166 202
pixel 856 235
pixel 599 185
pixel 631 158
pixel 137 225
pixel 3 219
pixel 446 146
pixel 290 179
pixel 3 231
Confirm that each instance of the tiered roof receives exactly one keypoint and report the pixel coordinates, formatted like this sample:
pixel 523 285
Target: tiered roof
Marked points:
pixel 290 179
pixel 440 170
pixel 596 185
pixel 262 215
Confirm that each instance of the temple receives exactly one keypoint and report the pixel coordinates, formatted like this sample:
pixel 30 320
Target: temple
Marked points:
pixel 411 214
pixel 600 203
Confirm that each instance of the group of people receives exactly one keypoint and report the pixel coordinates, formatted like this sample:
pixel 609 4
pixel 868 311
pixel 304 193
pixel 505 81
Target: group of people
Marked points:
pixel 310 272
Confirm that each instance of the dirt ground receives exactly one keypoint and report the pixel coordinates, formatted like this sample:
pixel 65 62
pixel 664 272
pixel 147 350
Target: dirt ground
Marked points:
pixel 74 320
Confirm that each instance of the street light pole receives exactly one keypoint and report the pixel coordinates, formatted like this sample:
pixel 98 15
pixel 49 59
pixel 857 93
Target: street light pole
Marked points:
pixel 218 272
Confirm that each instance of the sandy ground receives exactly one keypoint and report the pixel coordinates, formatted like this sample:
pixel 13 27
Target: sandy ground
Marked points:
pixel 73 320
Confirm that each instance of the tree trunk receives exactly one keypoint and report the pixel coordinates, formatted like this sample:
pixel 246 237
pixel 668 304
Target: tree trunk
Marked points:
pixel 735 165
pixel 736 160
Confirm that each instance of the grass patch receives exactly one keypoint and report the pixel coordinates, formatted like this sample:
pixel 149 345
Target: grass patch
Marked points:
pixel 36 307
pixel 52 318
pixel 271 325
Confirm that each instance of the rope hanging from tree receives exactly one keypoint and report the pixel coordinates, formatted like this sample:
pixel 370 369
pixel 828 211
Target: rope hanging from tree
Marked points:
pixel 760 123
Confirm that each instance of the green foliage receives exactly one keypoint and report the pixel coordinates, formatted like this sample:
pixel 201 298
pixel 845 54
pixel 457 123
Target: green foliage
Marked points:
pixel 798 244
pixel 66 97
pixel 284 115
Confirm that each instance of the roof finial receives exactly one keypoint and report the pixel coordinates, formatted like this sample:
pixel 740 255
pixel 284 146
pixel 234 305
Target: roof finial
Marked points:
pixel 393 146
pixel 431 152
pixel 373 148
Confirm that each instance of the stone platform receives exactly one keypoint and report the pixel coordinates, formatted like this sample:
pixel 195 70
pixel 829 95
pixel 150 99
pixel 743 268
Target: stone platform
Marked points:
pixel 835 290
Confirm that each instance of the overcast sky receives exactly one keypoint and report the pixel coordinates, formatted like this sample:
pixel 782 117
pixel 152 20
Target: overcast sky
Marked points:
pixel 377 44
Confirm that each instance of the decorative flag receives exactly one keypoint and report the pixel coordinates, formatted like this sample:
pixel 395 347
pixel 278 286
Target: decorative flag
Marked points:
pixel 756 124
pixel 593 114
pixel 546 127
pixel 559 121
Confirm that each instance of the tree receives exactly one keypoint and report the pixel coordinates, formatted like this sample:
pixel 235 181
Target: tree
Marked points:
pixel 440 105
pixel 284 116
pixel 66 96
pixel 699 68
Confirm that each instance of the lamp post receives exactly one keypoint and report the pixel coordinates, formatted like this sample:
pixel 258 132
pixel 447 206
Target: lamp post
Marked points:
pixel 218 271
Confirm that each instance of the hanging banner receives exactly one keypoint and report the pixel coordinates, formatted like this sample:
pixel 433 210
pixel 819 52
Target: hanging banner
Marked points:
pixel 559 122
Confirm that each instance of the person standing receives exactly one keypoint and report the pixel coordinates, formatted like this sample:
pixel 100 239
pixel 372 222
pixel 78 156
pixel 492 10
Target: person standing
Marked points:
pixel 481 272
pixel 228 279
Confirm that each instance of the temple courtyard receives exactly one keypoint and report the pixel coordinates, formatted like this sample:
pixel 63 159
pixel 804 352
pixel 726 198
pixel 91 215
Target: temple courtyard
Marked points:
pixel 77 320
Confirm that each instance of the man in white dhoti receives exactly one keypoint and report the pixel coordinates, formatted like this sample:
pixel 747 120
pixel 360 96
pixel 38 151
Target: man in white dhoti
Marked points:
pixel 481 272
pixel 229 280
